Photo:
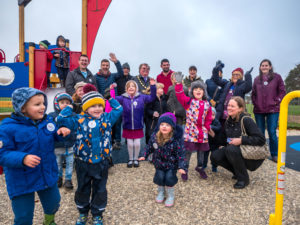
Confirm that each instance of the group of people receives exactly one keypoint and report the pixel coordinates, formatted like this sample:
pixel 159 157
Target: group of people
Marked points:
pixel 178 116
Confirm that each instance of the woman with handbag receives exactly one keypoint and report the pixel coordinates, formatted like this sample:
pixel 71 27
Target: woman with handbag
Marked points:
pixel 231 156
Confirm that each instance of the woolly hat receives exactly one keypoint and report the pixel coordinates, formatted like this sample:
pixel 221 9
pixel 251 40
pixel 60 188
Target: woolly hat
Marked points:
pixel 45 43
pixel 167 118
pixel 22 95
pixel 198 84
pixel 91 97
pixel 239 70
pixel 79 84
pixel 61 96
pixel 126 65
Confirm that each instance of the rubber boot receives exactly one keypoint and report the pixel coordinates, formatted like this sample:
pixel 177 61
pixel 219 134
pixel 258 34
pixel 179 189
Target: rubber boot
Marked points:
pixel 49 220
pixel 161 194
pixel 170 197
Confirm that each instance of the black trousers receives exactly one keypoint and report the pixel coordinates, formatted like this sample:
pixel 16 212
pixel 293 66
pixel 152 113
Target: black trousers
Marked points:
pixel 91 193
pixel 230 157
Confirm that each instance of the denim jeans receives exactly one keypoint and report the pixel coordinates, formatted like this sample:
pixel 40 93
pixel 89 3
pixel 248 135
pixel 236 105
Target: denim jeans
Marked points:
pixel 272 123
pixel 60 155
pixel 23 205
pixel 165 177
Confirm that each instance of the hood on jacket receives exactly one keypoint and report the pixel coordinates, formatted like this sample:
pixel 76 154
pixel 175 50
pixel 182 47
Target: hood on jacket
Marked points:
pixel 58 97
pixel 136 87
pixel 62 37
pixel 22 95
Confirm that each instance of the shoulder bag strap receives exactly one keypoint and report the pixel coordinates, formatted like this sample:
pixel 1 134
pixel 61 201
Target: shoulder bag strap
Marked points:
pixel 215 93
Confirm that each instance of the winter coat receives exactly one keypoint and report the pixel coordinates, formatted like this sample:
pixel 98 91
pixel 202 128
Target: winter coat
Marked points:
pixel 215 142
pixel 242 87
pixel 103 82
pixel 233 130
pixel 169 156
pixel 63 60
pixel 267 98
pixel 198 117
pixel 121 82
pixel 158 105
pixel 77 107
pixel 76 76
pixel 19 137
pixel 213 90
pixel 93 140
pixel 165 80
pixel 133 116
pixel 141 83
pixel 174 105
pixel 188 82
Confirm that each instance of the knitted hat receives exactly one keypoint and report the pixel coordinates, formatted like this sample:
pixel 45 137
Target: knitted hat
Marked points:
pixel 239 70
pixel 61 96
pixel 91 97
pixel 45 43
pixel 198 84
pixel 126 66
pixel 79 84
pixel 22 95
pixel 167 118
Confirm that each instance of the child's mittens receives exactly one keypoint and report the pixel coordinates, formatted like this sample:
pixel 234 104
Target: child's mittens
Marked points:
pixel 107 94
pixel 178 77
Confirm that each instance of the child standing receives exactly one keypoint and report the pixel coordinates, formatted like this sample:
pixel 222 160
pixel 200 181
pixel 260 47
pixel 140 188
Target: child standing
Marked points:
pixel 64 149
pixel 62 60
pixel 133 103
pixel 213 139
pixel 92 149
pixel 166 144
pixel 44 46
pixel 27 155
pixel 198 120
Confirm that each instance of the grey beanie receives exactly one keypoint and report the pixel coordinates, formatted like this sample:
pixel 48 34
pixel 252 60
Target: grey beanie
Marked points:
pixel 126 65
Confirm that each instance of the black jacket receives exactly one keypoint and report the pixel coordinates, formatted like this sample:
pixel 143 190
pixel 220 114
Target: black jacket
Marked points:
pixel 121 82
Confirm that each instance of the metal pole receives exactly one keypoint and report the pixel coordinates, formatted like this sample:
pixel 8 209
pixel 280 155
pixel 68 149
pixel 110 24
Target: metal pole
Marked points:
pixel 84 28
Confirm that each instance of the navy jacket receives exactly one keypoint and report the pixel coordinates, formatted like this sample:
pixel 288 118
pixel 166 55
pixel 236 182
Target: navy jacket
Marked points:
pixel 20 136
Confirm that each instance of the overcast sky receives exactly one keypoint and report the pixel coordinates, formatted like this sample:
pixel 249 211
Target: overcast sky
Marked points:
pixel 192 32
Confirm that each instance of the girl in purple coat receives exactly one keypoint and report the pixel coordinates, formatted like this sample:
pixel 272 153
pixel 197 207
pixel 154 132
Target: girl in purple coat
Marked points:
pixel 267 92
pixel 133 104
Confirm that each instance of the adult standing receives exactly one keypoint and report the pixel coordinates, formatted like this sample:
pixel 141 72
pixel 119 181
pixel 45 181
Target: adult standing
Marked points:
pixel 81 73
pixel 104 78
pixel 267 92
pixel 165 76
pixel 234 87
pixel 192 77
pixel 230 156
pixel 143 80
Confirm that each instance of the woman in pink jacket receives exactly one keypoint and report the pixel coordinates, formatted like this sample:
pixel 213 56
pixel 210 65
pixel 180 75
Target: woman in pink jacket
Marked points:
pixel 198 120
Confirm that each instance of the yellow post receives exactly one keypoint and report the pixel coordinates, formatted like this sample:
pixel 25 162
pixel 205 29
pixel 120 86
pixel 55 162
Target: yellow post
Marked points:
pixel 276 219
pixel 84 28
pixel 31 64
pixel 21 33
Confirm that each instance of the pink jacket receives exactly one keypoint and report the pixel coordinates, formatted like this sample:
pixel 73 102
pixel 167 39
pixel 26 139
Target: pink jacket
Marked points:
pixel 198 117
pixel 107 105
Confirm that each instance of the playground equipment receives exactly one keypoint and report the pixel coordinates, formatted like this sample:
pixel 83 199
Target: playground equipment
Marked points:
pixel 276 218
pixel 29 66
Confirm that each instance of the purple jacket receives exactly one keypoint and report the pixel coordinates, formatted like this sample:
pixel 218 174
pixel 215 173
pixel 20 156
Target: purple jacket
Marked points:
pixel 133 108
pixel 267 98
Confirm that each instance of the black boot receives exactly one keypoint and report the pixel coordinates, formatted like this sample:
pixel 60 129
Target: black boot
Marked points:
pixel 59 182
pixel 240 184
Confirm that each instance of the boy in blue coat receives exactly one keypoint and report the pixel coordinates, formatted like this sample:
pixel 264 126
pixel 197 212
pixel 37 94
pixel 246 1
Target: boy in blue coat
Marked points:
pixel 92 150
pixel 27 155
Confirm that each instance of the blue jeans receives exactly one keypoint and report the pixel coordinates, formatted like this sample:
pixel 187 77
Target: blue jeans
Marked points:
pixel 272 123
pixel 165 177
pixel 23 205
pixel 69 164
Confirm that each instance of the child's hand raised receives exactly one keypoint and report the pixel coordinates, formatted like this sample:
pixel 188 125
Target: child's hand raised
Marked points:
pixel 63 131
pixel 152 81
pixel 142 158
pixel 181 171
pixel 31 160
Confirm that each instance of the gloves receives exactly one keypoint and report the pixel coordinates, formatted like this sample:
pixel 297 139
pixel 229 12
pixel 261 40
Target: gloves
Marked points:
pixel 107 94
pixel 219 65
pixel 249 72
pixel 178 76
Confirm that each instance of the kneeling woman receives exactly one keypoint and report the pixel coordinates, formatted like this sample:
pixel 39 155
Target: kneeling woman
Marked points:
pixel 230 156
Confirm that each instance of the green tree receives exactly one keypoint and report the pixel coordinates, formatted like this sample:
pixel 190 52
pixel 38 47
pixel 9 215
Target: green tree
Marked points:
pixel 292 82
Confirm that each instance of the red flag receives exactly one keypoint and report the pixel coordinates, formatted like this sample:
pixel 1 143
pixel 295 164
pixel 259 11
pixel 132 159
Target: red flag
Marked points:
pixel 96 10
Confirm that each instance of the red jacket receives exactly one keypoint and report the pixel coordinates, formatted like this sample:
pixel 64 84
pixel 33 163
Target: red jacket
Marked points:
pixel 166 80
pixel 49 60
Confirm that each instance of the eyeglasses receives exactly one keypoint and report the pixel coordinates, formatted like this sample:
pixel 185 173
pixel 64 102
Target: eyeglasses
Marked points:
pixel 236 74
